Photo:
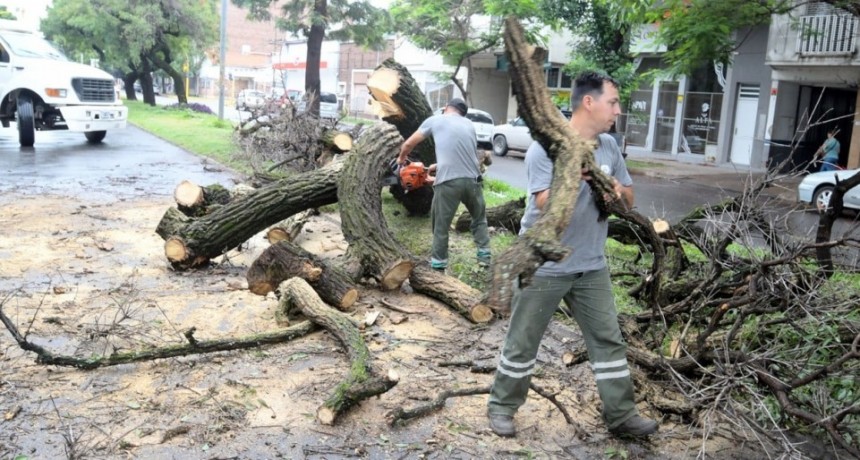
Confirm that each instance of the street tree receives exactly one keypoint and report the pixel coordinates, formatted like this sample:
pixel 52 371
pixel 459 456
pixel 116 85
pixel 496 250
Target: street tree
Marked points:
pixel 696 32
pixel 6 14
pixel 136 37
pixel 456 29
pixel 356 21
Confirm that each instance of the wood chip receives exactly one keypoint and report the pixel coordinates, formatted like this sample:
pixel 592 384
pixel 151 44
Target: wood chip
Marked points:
pixel 370 318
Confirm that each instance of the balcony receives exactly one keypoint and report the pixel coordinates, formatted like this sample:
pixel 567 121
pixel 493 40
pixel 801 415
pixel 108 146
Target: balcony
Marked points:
pixel 830 35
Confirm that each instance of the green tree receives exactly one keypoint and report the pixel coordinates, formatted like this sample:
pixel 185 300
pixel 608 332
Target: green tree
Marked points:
pixel 135 37
pixel 342 20
pixel 699 31
pixel 448 27
pixel 6 14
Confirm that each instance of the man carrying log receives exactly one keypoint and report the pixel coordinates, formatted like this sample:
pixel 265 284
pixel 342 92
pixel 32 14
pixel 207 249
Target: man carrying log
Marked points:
pixel 458 179
pixel 581 279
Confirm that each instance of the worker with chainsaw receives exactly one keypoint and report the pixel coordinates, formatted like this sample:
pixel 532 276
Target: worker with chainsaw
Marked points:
pixel 581 279
pixel 457 179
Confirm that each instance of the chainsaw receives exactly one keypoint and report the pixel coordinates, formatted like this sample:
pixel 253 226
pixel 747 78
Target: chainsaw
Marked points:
pixel 411 176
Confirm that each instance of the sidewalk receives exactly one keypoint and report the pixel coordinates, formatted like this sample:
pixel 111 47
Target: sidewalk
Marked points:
pixel 727 176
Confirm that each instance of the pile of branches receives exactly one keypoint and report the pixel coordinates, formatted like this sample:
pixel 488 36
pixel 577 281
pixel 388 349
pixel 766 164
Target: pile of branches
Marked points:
pixel 280 138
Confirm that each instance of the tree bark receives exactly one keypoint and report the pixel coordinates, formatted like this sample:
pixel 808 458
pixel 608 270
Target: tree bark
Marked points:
pixel 507 216
pixel 234 223
pixel 372 248
pixel 195 200
pixel 404 105
pixel 542 241
pixel 289 229
pixel 285 260
pixel 361 382
pixel 461 297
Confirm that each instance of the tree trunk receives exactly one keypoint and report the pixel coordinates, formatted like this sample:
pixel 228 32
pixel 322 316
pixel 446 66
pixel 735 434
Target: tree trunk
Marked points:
pixel 506 216
pixel 284 260
pixel 194 200
pixel 361 382
pixel 337 141
pixel 289 229
pixel 461 297
pixel 234 223
pixel 542 241
pixel 404 105
pixel 314 53
pixel 372 247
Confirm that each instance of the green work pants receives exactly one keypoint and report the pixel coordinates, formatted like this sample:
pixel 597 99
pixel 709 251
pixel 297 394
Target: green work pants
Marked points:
pixel 447 197
pixel 589 296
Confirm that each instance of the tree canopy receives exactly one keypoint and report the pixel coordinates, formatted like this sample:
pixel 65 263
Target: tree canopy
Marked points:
pixel 699 31
pixel 135 37
pixel 356 21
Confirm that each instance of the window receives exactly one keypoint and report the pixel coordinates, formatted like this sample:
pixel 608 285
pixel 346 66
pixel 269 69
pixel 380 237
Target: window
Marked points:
pixel 552 77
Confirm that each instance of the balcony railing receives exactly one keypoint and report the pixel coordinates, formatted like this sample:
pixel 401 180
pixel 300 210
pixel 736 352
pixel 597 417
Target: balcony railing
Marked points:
pixel 831 35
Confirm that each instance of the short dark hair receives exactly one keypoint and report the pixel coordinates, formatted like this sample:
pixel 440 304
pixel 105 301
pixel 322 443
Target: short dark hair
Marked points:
pixel 586 83
pixel 458 104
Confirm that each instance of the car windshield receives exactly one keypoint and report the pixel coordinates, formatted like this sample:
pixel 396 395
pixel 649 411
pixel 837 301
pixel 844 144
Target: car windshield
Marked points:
pixel 480 117
pixel 29 45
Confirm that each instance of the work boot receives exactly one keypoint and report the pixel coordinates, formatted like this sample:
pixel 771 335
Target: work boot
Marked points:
pixel 484 258
pixel 635 426
pixel 502 425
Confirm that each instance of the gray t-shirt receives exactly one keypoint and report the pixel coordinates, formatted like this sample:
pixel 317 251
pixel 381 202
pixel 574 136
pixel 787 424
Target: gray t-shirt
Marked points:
pixel 456 146
pixel 584 235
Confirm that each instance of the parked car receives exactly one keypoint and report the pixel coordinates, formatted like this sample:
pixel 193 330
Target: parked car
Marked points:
pixel 483 123
pixel 514 135
pixel 328 105
pixel 816 189
pixel 250 99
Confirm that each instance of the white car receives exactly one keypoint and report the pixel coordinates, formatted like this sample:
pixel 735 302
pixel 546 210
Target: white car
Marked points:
pixel 250 99
pixel 483 123
pixel 514 135
pixel 816 188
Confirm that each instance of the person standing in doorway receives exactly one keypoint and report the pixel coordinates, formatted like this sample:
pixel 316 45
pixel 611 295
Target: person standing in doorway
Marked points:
pixel 458 179
pixel 581 279
pixel 829 152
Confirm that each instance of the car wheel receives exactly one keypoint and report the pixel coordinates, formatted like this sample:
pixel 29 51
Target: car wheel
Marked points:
pixel 26 121
pixel 500 146
pixel 94 137
pixel 821 198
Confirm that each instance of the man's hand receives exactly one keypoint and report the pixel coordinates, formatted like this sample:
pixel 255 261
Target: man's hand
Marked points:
pixel 432 170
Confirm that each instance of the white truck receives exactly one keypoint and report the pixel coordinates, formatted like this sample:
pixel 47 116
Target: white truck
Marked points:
pixel 41 90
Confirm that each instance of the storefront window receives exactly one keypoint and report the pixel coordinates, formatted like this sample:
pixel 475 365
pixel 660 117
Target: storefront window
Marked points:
pixel 666 108
pixel 701 121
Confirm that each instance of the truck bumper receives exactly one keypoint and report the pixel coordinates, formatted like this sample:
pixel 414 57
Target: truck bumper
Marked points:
pixel 84 118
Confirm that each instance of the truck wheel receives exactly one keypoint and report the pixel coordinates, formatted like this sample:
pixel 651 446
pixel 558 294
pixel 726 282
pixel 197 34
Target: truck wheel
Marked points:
pixel 26 123
pixel 94 137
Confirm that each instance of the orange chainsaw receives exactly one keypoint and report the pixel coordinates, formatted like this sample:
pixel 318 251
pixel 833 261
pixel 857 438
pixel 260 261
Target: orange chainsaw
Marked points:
pixel 411 176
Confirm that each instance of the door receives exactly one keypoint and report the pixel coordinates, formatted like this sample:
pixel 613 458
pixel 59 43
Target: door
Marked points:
pixel 667 104
pixel 745 117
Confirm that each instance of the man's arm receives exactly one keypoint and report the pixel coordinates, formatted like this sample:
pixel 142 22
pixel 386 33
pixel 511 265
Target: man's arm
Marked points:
pixel 415 139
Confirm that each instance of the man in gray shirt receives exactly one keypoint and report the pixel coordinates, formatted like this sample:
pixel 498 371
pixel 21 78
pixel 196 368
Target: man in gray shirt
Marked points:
pixel 581 279
pixel 458 179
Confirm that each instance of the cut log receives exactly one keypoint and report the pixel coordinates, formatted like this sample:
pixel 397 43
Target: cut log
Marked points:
pixel 506 216
pixel 372 247
pixel 234 223
pixel 400 101
pixel 461 297
pixel 289 229
pixel 194 200
pixel 284 260
pixel 361 382
pixel 337 141
pixel 171 223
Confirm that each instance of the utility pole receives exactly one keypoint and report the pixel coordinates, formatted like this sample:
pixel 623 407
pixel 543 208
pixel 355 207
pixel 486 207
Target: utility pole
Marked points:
pixel 222 59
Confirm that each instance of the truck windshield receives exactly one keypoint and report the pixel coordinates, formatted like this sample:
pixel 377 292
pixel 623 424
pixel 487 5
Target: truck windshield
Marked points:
pixel 29 45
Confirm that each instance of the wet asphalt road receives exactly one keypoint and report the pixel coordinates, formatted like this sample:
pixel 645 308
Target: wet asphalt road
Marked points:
pixel 129 163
